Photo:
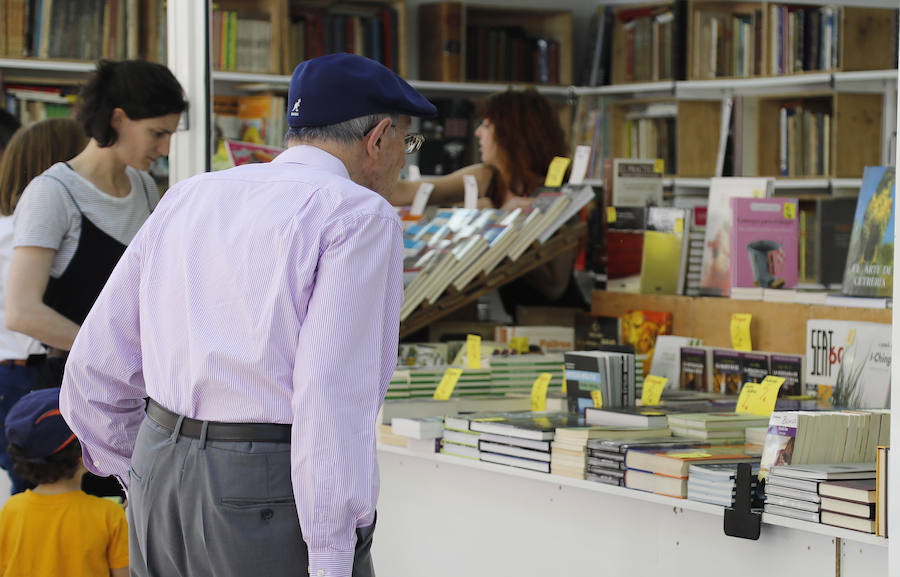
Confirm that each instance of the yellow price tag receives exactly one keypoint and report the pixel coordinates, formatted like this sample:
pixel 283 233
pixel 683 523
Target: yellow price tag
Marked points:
pixel 740 331
pixel 544 422
pixel 659 166
pixel 759 398
pixel 610 214
pixel 539 392
pixel 556 172
pixel 653 389
pixel 597 397
pixel 519 344
pixel 679 226
pixel 564 380
pixel 693 455
pixel 790 210
pixel 448 382
pixel 473 352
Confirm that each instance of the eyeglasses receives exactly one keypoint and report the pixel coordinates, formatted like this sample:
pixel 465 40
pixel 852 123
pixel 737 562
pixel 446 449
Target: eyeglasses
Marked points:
pixel 412 141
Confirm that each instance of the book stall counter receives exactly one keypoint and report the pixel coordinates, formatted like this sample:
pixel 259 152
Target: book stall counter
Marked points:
pixel 444 516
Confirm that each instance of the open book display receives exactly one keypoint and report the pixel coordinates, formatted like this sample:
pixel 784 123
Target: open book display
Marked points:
pixel 461 254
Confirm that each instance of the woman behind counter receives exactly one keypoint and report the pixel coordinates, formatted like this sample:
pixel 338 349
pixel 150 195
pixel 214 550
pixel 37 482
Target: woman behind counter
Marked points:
pixel 518 137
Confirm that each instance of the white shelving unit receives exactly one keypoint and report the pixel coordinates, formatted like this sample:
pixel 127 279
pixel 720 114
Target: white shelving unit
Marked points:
pixel 446 516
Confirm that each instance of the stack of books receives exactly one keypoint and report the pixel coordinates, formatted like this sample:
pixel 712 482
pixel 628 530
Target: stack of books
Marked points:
pixel 715 483
pixel 796 491
pixel 512 374
pixel 666 471
pixel 788 496
pixel 520 440
pixel 721 426
pixel 570 447
pixel 849 504
pixel 606 457
pixel 398 387
pixel 423 434
pixel 459 439
pixel 424 381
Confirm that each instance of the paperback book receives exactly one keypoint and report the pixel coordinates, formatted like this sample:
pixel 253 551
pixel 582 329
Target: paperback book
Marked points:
pixel 764 241
pixel 870 260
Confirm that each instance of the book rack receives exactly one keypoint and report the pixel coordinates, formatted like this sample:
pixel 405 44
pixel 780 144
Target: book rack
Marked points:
pixel 567 238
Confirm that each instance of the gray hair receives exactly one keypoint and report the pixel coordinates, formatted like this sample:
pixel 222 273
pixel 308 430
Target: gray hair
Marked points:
pixel 346 132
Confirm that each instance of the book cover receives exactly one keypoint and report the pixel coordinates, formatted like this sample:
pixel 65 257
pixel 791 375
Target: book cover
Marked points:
pixel 640 329
pixel 834 227
pixel 870 259
pixel 715 421
pixel 624 248
pixel 754 368
pixel 665 245
pixel 780 441
pixel 695 369
pixel 851 357
pixel 789 367
pixel 715 276
pixel 627 416
pixel 764 241
pixel 537 426
pixel 667 358
pixel 727 371
pixel 635 183
pixel 592 331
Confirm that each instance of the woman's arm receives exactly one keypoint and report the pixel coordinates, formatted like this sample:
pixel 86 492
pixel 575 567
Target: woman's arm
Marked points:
pixel 448 189
pixel 26 312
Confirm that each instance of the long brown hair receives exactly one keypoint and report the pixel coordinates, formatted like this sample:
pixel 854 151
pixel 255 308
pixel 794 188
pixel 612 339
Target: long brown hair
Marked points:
pixel 32 150
pixel 528 135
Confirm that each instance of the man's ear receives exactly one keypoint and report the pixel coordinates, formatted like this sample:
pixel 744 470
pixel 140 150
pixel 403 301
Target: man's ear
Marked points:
pixel 373 141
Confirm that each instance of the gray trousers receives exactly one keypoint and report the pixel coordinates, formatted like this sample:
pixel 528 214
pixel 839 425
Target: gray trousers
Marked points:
pixel 223 509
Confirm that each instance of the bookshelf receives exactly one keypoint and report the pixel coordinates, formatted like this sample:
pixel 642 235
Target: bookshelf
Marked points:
pixel 483 43
pixel 776 326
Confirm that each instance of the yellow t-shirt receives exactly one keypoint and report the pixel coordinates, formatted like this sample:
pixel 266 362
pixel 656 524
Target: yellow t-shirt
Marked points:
pixel 72 534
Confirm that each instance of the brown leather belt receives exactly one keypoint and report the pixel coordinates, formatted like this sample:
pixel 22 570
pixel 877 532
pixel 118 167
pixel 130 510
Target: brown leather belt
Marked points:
pixel 215 431
pixel 16 362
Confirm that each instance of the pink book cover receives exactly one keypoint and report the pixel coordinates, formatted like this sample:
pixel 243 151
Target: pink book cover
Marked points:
pixel 764 242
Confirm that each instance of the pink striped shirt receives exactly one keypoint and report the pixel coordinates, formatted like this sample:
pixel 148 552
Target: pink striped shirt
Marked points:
pixel 267 293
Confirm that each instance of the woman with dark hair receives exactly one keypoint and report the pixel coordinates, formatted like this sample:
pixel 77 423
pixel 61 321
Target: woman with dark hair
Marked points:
pixel 518 137
pixel 31 151
pixel 74 221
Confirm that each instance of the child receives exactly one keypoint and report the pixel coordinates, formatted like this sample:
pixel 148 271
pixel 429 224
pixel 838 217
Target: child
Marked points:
pixel 55 528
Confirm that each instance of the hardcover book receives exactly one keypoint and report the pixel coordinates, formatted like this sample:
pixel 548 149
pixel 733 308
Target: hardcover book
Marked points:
pixel 764 242
pixel 870 260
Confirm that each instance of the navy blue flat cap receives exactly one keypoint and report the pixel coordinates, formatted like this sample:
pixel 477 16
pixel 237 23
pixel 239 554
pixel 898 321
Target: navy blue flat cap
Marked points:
pixel 337 87
pixel 35 424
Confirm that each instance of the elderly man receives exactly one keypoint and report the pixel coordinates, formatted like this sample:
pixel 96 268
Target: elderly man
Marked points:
pixel 258 310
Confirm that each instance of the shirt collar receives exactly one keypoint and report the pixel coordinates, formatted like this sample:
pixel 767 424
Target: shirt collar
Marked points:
pixel 313 156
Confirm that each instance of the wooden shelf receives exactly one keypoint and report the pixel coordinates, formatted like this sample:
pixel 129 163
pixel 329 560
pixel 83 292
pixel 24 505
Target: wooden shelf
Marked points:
pixel 776 326
pixel 566 239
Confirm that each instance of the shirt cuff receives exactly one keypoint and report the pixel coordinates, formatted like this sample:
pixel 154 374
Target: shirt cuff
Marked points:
pixel 330 563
